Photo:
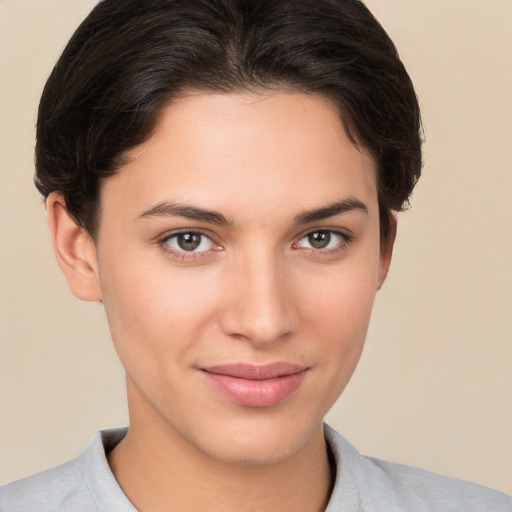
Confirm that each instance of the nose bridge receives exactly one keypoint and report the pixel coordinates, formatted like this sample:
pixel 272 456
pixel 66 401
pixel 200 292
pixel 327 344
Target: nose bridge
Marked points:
pixel 261 308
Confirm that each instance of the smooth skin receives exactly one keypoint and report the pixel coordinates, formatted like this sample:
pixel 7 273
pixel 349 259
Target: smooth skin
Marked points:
pixel 245 230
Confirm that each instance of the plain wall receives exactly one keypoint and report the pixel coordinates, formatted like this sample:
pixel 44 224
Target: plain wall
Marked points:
pixel 434 387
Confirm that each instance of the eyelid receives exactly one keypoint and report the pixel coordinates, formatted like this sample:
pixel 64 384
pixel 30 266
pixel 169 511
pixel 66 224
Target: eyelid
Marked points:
pixel 175 232
pixel 344 232
pixel 187 255
pixel 346 235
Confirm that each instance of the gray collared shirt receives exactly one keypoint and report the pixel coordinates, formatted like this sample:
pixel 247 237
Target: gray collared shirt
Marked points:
pixel 362 484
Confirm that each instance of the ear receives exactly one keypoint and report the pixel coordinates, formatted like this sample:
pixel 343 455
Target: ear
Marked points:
pixel 386 249
pixel 74 249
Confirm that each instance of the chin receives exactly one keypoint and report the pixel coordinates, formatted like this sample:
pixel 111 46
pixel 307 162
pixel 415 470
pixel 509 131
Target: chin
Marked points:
pixel 254 454
pixel 258 443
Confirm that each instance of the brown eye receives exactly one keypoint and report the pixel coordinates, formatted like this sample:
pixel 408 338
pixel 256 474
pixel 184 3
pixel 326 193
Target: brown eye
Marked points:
pixel 323 241
pixel 319 239
pixel 188 241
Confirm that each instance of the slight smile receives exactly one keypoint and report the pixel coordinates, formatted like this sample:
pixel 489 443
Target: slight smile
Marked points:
pixel 256 386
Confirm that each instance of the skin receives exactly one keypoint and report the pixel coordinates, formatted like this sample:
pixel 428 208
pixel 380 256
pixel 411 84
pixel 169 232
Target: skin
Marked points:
pixel 255 291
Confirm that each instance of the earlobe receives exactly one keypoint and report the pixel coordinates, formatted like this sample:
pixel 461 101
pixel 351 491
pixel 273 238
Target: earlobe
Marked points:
pixel 386 249
pixel 74 249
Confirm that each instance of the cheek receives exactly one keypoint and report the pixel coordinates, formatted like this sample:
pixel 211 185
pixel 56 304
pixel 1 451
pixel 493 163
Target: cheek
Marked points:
pixel 337 312
pixel 335 315
pixel 153 311
pixel 342 299
pixel 342 322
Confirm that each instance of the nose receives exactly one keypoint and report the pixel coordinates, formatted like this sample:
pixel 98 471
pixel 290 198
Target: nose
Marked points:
pixel 260 308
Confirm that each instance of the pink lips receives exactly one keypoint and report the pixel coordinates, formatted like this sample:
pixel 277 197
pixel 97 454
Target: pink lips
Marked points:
pixel 256 386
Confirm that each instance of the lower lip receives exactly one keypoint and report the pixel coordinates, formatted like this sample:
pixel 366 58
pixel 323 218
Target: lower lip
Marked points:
pixel 256 393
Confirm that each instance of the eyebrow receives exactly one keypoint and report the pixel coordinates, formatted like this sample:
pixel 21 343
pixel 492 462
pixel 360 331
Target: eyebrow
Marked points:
pixel 166 209
pixel 331 210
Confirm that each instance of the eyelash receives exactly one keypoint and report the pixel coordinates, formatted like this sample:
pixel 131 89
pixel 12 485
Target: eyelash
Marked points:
pixel 187 255
pixel 183 255
pixel 345 240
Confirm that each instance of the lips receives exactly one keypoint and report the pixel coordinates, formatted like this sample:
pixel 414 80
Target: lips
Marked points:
pixel 256 386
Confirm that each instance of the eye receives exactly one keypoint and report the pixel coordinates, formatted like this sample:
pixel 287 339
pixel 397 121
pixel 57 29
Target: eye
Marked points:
pixel 322 240
pixel 189 242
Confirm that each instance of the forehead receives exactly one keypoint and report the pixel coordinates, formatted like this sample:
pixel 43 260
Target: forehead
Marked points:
pixel 246 150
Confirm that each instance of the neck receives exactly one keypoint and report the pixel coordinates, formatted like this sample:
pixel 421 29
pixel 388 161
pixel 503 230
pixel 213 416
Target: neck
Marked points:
pixel 161 471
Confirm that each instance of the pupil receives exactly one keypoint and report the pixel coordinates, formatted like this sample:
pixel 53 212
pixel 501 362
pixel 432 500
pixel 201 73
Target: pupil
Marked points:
pixel 320 239
pixel 189 241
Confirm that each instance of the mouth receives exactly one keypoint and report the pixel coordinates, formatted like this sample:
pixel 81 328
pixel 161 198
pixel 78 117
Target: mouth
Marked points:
pixel 256 386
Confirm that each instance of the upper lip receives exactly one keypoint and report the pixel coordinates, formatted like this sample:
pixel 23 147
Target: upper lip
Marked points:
pixel 256 372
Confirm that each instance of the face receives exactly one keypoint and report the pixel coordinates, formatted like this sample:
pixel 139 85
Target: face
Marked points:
pixel 238 259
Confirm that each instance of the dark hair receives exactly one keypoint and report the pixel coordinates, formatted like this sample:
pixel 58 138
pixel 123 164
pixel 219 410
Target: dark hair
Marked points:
pixel 129 59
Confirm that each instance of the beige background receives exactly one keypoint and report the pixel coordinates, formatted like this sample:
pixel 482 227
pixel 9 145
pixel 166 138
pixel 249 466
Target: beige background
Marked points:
pixel 434 388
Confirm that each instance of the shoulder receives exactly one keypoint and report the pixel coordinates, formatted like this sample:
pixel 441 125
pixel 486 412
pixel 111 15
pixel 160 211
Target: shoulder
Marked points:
pixel 84 484
pixel 56 489
pixel 385 486
pixel 416 489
